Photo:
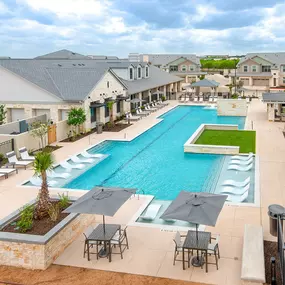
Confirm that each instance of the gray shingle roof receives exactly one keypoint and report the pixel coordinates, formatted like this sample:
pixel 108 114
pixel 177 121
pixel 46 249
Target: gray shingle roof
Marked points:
pixel 164 59
pixel 62 54
pixel 276 58
pixel 274 97
pixel 157 78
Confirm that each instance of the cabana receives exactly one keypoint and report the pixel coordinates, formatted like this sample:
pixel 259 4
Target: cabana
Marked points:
pixel 275 105
pixel 211 84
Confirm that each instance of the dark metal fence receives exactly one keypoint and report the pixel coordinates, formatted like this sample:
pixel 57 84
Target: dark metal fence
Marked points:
pixel 7 146
pixel 281 247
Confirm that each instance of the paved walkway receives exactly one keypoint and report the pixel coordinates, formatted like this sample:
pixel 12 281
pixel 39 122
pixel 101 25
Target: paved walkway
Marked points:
pixel 151 250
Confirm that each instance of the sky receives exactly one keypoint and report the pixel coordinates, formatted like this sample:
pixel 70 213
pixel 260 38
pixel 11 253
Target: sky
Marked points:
pixel 29 28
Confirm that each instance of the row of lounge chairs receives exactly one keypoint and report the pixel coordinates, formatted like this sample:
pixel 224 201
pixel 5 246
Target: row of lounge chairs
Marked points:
pixel 198 99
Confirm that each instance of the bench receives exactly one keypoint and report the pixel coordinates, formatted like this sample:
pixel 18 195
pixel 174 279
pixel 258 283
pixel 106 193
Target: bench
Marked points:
pixel 253 268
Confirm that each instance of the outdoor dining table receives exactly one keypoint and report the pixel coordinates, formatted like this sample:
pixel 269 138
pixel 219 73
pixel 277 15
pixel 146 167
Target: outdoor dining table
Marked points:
pixel 103 233
pixel 190 243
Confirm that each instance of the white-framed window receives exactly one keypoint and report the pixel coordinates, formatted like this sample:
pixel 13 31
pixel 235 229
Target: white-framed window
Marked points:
pixel 183 68
pixel 139 72
pixel 245 68
pixel 191 67
pixel 146 71
pixel 131 73
pixel 283 80
pixel 266 68
pixel 254 68
pixel 283 68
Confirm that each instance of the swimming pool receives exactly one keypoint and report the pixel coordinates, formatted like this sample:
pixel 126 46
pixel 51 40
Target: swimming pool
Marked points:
pixel 155 162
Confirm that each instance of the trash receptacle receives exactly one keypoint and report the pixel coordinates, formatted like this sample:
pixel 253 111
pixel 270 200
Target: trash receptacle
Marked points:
pixel 99 127
pixel 273 212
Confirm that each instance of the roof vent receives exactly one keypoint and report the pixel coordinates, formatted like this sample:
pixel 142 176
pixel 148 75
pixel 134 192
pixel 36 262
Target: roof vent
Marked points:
pixel 59 65
pixel 73 53
pixel 74 64
pixel 83 64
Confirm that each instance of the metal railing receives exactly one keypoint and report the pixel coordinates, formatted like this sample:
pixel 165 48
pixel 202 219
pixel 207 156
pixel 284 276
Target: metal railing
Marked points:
pixel 281 247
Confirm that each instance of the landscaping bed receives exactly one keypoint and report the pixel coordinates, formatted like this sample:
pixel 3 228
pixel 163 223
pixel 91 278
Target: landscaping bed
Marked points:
pixel 48 148
pixel 244 139
pixel 80 136
pixel 270 249
pixel 116 127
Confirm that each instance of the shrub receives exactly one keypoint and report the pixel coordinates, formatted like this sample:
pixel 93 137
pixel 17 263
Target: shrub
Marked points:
pixel 235 96
pixel 76 117
pixel 54 211
pixel 143 107
pixel 63 200
pixel 25 222
pixel 163 98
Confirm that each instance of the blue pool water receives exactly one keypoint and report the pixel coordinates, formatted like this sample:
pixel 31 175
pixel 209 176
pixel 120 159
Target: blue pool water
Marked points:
pixel 155 162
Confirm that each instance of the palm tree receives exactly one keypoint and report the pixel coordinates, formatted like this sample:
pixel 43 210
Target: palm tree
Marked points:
pixel 43 162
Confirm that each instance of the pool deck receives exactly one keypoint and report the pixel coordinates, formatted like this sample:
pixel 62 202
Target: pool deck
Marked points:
pixel 151 249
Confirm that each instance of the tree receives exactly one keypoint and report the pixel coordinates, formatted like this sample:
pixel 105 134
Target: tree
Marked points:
pixel 109 105
pixel 76 117
pixel 2 114
pixel 43 162
pixel 201 77
pixel 39 130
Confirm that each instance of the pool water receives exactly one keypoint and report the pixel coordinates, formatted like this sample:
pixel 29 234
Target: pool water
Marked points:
pixel 155 162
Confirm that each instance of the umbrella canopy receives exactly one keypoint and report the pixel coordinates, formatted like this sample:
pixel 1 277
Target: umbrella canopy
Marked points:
pixel 136 100
pixel 158 93
pixel 198 208
pixel 205 83
pixel 104 201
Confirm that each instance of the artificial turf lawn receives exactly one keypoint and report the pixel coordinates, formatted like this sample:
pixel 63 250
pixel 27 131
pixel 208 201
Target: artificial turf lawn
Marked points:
pixel 244 139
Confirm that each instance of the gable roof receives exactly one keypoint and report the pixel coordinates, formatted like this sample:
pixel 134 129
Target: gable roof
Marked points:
pixel 205 83
pixel 165 59
pixel 62 54
pixel 178 61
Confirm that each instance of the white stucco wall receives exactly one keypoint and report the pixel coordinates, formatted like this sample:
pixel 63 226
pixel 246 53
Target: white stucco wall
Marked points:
pixel 232 107
pixel 16 89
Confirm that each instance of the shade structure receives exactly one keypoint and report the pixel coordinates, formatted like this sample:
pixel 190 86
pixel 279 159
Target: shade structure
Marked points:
pixel 198 208
pixel 136 100
pixel 205 83
pixel 158 93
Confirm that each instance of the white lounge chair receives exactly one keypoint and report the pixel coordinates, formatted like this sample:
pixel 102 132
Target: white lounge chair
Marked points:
pixel 13 160
pixel 91 155
pixel 182 99
pixel 25 155
pixel 53 174
pixel 7 171
pixel 37 181
pixel 211 99
pixel 76 159
pixel 201 99
pixel 140 113
pixel 242 157
pixel 163 103
pixel 132 118
pixel 156 105
pixel 69 166
pixel 187 99
pixel 195 99
pixel 215 99
pixel 234 183
pixel 153 106
pixel 151 212
pixel 241 162
pixel 147 107
pixel 238 199
pixel 235 191
pixel 240 168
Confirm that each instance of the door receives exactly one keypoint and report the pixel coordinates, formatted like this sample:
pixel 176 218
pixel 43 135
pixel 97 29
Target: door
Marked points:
pixel 52 134
pixel 17 114
pixel 261 82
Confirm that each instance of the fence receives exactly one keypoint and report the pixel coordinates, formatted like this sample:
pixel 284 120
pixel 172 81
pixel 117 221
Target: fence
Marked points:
pixel 6 146
pixel 281 247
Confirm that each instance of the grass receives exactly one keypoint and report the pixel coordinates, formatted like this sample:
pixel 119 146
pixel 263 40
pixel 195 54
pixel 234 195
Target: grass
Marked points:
pixel 244 139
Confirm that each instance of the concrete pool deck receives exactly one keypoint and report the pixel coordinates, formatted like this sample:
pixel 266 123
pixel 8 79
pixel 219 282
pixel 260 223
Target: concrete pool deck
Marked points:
pixel 151 250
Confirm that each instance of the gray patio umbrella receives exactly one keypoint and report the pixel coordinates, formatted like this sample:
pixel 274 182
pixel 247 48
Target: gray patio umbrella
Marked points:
pixel 197 208
pixel 136 101
pixel 104 201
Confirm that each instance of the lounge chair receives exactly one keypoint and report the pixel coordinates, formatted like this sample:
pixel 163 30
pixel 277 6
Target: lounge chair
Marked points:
pixel 235 191
pixel 243 157
pixel 69 166
pixel 215 99
pixel 195 99
pixel 241 162
pixel 53 174
pixel 182 100
pixel 76 159
pixel 201 99
pixel 211 99
pixel 91 155
pixel 236 183
pixel 140 113
pixel 156 105
pixel 152 105
pixel 238 198
pixel 187 99
pixel 13 160
pixel 240 168
pixel 37 181
pixel 130 117
pixel 7 171
pixel 151 212
pixel 25 155
pixel 163 103
pixel 149 108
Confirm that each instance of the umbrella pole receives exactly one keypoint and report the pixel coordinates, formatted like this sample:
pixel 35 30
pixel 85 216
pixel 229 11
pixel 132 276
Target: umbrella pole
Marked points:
pixel 197 242
pixel 104 227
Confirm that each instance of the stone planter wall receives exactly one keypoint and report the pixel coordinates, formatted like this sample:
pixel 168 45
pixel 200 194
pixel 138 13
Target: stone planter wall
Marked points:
pixel 38 252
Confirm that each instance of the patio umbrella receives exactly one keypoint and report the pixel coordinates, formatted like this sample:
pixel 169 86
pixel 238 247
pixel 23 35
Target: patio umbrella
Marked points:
pixel 136 101
pixel 104 201
pixel 197 208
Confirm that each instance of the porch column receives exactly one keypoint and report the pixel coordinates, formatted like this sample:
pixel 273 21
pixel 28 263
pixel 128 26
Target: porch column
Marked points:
pixel 126 107
pixel 164 91
pixel 271 112
pixel 149 95
pixel 100 115
pixel 250 81
pixel 86 107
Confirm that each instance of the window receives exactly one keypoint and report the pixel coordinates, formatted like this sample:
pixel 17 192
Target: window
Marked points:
pixel 119 107
pixel 184 68
pixel 283 80
pixel 146 71
pixel 173 68
pixel 93 115
pixel 106 111
pixel 139 72
pixel 108 84
pixel 245 68
pixel 283 68
pixel 254 68
pixel 131 73
pixel 266 68
pixel 191 67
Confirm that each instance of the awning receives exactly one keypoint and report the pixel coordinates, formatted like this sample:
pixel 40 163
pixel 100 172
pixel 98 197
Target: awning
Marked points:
pixel 205 83
pixel 278 97
pixel 96 105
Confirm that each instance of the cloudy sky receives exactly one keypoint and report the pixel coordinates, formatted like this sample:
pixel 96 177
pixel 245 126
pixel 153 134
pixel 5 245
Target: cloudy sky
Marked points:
pixel 116 27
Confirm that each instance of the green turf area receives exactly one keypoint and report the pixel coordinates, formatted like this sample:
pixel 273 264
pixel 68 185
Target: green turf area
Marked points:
pixel 244 139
